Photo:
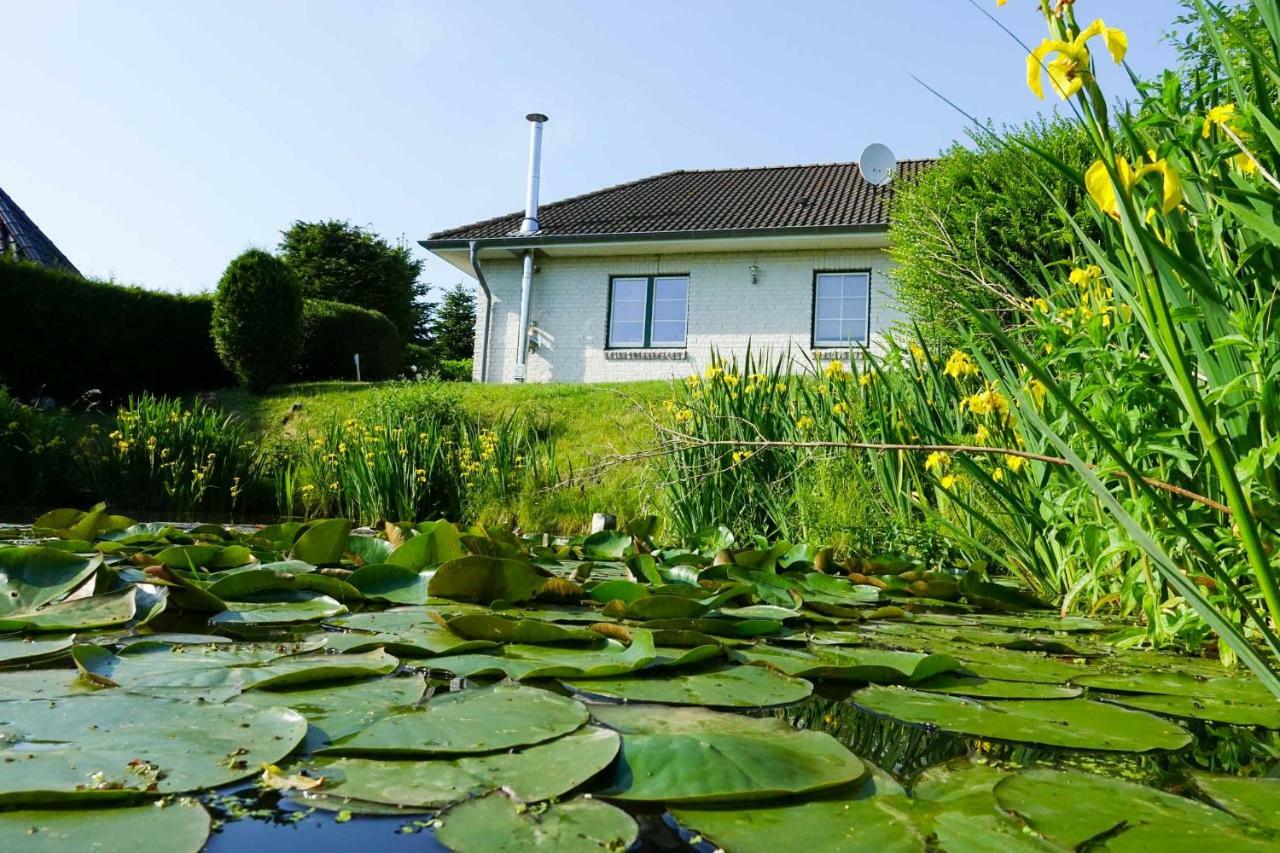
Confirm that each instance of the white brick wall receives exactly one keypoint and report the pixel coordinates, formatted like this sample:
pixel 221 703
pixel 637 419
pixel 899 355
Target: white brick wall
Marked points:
pixel 570 298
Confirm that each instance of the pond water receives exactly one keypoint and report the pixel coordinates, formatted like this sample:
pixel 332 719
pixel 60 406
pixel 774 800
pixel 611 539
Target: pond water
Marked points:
pixel 585 695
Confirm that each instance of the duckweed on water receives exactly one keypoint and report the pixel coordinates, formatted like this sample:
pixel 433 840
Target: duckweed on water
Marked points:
pixel 515 693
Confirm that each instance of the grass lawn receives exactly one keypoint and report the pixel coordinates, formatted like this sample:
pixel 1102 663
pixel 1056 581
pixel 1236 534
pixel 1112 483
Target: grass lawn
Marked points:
pixel 589 423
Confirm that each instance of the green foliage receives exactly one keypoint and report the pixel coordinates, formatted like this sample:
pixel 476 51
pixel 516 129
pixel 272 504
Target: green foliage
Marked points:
pixel 337 261
pixel 62 337
pixel 453 328
pixel 978 222
pixel 454 370
pixel 257 319
pixel 160 454
pixel 35 453
pixel 333 332
pixel 418 359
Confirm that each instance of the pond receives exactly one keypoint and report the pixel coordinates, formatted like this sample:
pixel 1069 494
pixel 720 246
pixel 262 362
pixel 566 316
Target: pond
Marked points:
pixel 307 686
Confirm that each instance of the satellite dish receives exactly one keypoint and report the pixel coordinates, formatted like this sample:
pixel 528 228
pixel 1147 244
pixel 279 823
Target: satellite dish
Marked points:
pixel 877 164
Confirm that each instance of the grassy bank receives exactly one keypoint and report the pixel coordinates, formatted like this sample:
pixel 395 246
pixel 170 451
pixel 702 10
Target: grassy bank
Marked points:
pixel 586 422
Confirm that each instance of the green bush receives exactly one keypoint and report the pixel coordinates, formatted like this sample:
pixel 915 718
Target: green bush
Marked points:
pixel 257 319
pixel 418 360
pixel 62 335
pixel 979 223
pixel 454 370
pixel 332 333
pixel 35 454
pixel 338 261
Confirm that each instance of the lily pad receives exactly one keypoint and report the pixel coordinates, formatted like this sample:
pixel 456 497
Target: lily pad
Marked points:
pixel 724 687
pixel 436 543
pixel 692 755
pixel 1204 708
pixel 1071 808
pixel 469 721
pixel 179 827
pixel 487 579
pixel 1067 723
pixel 528 663
pixel 24 652
pixel 1177 684
pixel 532 773
pixel 496 822
pixel 119 746
pixel 75 614
pixel 32 577
pixel 409 633
pixel 1007 665
pixel 990 688
pixel 391 583
pixel 291 607
pixel 499 629
pixel 879 666
pixel 1250 799
pixel 322 543
pixel 336 711
pixel 161 669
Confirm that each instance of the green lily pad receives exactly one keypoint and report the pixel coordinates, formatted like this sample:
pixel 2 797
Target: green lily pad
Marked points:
pixel 1067 723
pixel 1007 665
pixel 291 607
pixel 409 633
pixel 499 629
pixel 1252 800
pixel 391 583
pixel 724 687
pixel 1204 708
pixel 470 721
pixel 719 627
pixel 161 669
pixel 27 651
pixel 253 584
pixel 18 684
pixel 76 614
pixel 33 576
pixel 692 755
pixel 487 579
pixel 118 746
pixel 528 663
pixel 879 666
pixel 1071 808
pixel 437 542
pixel 496 823
pixel 533 773
pixel 990 688
pixel 335 711
pixel 179 827
pixel 322 543
pixel 1176 684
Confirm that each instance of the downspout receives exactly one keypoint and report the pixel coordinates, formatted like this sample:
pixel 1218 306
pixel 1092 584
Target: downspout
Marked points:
pixel 488 310
pixel 529 227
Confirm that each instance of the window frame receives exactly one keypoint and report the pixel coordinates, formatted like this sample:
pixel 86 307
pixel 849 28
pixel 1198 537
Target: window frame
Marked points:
pixel 813 310
pixel 648 312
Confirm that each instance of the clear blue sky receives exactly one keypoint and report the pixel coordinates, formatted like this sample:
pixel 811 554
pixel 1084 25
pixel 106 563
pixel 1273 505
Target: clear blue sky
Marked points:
pixel 153 140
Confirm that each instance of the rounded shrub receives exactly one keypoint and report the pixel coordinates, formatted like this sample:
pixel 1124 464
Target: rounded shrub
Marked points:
pixel 257 319
pixel 332 334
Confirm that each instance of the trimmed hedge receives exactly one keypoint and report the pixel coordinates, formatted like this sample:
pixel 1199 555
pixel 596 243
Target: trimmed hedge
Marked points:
pixel 257 319
pixel 454 369
pixel 62 335
pixel 333 332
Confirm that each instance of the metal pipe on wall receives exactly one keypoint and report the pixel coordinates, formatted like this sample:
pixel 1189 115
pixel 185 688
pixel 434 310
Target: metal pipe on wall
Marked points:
pixel 527 228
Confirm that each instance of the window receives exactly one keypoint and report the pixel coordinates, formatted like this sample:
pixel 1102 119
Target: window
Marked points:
pixel 841 308
pixel 648 311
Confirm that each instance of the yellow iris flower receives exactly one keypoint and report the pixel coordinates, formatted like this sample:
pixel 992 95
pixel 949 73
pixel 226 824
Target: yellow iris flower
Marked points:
pixel 937 461
pixel 1103 190
pixel 1222 115
pixel 1069 69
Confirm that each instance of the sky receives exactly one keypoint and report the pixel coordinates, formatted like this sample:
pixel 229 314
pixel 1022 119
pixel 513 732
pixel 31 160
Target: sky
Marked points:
pixel 153 141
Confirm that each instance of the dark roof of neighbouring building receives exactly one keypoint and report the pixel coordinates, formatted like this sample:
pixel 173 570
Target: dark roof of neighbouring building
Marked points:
pixel 829 195
pixel 31 242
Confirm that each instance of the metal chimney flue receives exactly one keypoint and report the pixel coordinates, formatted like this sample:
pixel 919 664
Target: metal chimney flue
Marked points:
pixel 530 223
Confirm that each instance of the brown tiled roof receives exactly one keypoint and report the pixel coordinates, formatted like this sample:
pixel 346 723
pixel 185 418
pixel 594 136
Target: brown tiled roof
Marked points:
pixel 830 195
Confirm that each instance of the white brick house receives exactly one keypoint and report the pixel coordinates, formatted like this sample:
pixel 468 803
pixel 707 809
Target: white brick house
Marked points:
pixel 645 280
